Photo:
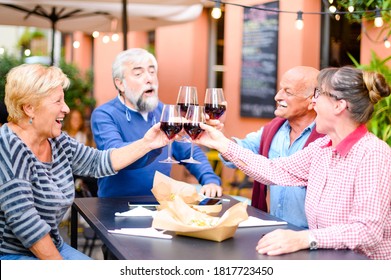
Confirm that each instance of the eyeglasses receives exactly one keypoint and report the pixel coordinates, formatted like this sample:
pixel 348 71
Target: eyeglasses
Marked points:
pixel 318 92
pixel 290 94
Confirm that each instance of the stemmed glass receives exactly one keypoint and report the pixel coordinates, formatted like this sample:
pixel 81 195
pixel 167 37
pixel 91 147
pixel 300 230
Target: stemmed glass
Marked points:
pixel 171 125
pixel 187 96
pixel 194 116
pixel 215 104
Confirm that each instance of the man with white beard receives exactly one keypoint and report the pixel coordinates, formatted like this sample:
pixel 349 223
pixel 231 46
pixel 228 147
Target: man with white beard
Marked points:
pixel 127 117
pixel 291 130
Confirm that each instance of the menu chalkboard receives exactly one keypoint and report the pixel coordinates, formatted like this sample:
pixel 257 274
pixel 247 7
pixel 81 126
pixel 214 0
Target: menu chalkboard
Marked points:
pixel 259 61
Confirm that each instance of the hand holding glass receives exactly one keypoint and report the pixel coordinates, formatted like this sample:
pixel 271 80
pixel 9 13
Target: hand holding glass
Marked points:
pixel 194 116
pixel 215 104
pixel 171 125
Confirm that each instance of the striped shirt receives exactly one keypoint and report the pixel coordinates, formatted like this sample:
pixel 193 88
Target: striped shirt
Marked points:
pixel 348 204
pixel 35 195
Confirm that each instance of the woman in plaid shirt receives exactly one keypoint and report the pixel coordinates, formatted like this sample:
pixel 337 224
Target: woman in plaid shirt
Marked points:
pixel 347 172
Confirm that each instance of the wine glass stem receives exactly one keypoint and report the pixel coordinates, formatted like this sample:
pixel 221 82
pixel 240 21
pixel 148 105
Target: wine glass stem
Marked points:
pixel 169 149
pixel 191 150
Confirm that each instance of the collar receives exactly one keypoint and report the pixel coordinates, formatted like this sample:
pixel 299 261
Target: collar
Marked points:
pixel 143 114
pixel 346 144
pixel 309 128
pixel 122 101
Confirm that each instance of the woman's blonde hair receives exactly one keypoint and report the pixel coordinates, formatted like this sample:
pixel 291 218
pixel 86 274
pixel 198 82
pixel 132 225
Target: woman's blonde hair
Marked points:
pixel 29 84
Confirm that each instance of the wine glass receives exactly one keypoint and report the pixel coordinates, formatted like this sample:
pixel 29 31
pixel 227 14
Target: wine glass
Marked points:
pixel 194 116
pixel 215 104
pixel 171 125
pixel 187 95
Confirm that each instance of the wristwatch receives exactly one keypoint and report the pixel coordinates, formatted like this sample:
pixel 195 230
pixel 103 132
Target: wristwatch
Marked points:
pixel 312 241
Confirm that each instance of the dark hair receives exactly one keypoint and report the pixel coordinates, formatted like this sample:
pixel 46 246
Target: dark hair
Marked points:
pixel 361 89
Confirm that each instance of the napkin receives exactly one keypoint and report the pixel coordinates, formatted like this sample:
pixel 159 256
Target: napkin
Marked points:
pixel 256 222
pixel 146 232
pixel 139 211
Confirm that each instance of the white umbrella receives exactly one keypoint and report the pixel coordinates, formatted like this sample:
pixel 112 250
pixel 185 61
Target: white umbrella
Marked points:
pixel 98 15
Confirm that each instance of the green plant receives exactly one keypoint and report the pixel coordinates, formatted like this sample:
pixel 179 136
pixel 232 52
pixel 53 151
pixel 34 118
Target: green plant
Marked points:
pixel 365 9
pixel 365 5
pixel 380 123
pixel 78 95
pixel 7 62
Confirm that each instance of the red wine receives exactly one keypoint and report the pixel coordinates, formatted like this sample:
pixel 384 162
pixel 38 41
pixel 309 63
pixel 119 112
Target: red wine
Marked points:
pixel 214 111
pixel 184 107
pixel 171 128
pixel 193 130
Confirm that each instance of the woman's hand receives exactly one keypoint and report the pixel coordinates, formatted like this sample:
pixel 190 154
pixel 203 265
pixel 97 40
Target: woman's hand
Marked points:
pixel 155 137
pixel 282 241
pixel 215 123
pixel 212 138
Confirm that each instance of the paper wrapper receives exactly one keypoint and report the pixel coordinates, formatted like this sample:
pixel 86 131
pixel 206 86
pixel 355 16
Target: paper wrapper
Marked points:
pixel 184 220
pixel 165 189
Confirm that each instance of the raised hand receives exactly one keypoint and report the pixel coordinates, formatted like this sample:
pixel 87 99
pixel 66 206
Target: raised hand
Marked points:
pixel 212 138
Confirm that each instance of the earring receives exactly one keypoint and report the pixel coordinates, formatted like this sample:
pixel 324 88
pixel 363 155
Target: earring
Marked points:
pixel 31 121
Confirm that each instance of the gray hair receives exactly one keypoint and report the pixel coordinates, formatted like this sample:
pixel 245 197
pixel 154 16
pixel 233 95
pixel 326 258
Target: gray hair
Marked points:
pixel 130 56
pixel 361 89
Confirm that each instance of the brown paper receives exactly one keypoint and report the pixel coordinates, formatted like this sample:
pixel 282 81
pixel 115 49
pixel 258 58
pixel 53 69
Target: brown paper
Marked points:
pixel 184 220
pixel 165 189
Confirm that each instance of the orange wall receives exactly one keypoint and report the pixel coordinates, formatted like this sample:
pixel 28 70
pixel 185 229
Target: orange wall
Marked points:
pixel 82 55
pixel 372 39
pixel 182 53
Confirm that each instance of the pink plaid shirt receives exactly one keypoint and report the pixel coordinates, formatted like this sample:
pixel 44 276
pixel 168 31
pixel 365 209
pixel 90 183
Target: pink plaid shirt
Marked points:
pixel 348 203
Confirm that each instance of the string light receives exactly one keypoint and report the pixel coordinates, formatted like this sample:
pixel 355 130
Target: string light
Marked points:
pixel 95 34
pixel 105 39
pixel 299 21
pixel 115 37
pixel 332 9
pixel 216 11
pixel 378 18
pixel 76 44
pixel 387 43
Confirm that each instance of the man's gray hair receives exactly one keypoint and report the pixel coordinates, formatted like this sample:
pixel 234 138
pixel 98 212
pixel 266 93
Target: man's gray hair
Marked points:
pixel 130 56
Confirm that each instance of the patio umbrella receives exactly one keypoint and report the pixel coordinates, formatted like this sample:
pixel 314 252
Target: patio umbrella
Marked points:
pixel 98 15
